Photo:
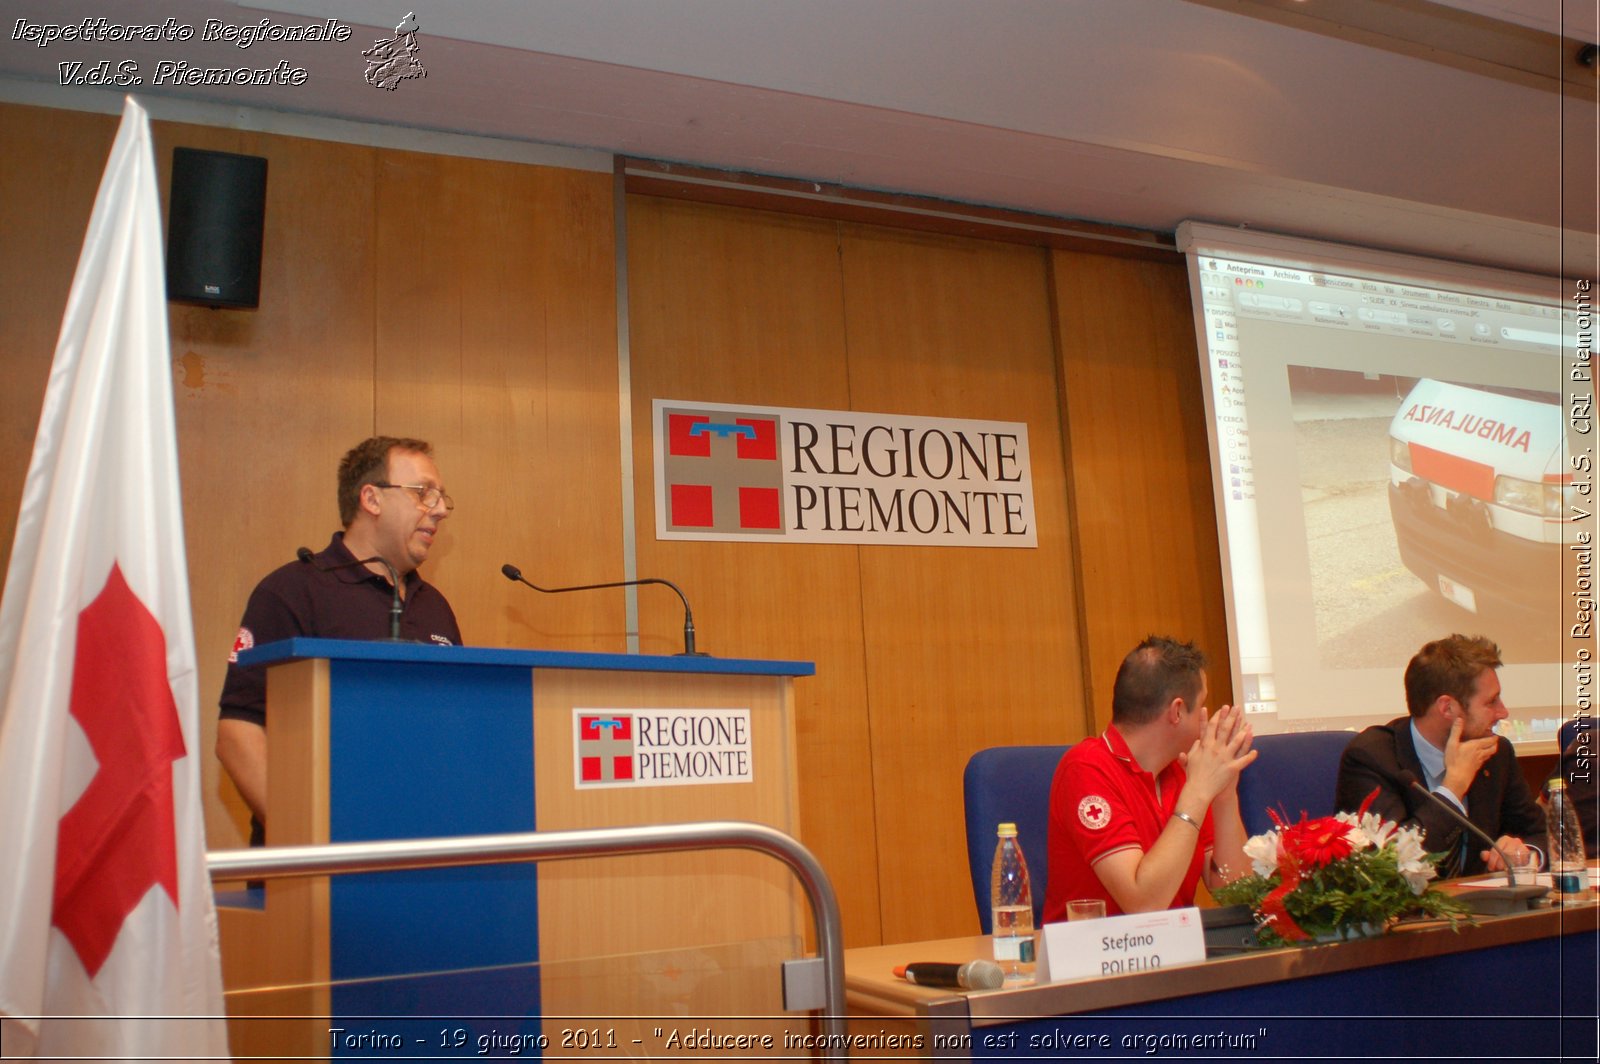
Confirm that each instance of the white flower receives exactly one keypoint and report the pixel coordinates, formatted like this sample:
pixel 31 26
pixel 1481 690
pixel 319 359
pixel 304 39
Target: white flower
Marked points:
pixel 1412 860
pixel 1263 853
pixel 1366 829
pixel 1377 830
pixel 1358 840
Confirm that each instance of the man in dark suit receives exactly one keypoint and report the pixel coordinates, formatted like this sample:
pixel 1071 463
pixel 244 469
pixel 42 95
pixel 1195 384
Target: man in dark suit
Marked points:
pixel 1448 743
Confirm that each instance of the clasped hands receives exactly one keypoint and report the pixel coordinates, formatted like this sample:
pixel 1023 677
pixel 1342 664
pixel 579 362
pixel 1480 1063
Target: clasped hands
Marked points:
pixel 1215 760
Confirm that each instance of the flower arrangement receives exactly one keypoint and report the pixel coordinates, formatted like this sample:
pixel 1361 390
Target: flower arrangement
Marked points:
pixel 1341 876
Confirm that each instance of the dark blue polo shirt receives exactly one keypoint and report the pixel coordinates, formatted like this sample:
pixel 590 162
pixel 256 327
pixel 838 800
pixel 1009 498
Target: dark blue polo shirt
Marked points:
pixel 299 599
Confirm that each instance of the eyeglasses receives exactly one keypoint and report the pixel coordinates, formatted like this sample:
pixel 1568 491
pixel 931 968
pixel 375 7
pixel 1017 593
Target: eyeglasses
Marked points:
pixel 426 497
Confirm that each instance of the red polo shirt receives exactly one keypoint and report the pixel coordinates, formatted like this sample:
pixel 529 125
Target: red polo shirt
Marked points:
pixel 1102 802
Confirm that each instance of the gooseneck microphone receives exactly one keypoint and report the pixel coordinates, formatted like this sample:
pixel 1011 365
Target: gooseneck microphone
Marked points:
pixel 1488 901
pixel 1408 778
pixel 305 555
pixel 512 573
pixel 973 975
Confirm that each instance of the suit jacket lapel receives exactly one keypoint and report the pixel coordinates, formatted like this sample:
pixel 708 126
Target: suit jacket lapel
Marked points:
pixel 1406 752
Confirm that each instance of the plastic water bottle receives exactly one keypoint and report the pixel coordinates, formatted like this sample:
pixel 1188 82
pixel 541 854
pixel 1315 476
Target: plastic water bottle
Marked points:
pixel 1011 909
pixel 1569 867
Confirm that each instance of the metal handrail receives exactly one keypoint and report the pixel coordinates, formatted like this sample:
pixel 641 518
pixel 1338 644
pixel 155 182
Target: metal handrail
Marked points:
pixel 338 858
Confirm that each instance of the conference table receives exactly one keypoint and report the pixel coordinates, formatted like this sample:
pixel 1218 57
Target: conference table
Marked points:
pixel 1523 985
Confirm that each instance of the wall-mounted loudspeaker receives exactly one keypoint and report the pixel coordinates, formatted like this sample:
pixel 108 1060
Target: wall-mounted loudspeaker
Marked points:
pixel 214 223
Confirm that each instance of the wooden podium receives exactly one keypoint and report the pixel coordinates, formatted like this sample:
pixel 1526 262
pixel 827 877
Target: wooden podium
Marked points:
pixel 371 741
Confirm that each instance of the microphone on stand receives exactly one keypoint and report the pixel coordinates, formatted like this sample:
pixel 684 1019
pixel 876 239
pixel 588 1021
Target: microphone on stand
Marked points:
pixel 1490 901
pixel 1409 779
pixel 512 573
pixel 305 555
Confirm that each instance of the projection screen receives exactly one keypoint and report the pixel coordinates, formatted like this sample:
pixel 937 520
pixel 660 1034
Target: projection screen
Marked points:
pixel 1401 449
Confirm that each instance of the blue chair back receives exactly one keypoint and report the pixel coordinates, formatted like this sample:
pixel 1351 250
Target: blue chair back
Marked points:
pixel 1565 734
pixel 1294 773
pixel 1009 783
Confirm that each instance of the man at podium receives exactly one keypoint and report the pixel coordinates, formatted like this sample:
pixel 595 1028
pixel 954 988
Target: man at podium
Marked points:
pixel 391 502
pixel 1140 813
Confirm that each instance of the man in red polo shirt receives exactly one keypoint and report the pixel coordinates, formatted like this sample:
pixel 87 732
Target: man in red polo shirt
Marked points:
pixel 1140 813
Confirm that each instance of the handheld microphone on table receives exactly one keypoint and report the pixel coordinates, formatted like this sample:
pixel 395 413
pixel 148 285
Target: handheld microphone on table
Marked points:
pixel 512 573
pixel 973 975
pixel 305 555
pixel 1490 901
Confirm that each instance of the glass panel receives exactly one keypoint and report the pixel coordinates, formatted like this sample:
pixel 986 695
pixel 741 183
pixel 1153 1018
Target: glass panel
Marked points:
pixel 695 1002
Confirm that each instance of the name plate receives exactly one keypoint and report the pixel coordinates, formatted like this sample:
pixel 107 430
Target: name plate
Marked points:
pixel 1117 945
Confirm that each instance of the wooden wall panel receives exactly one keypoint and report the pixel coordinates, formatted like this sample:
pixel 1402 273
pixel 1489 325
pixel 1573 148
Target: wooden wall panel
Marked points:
pixel 473 303
pixel 744 307
pixel 255 457
pixel 496 341
pixel 966 648
pixel 50 181
pixel 401 293
pixel 1141 470
pixel 923 654
pixel 267 400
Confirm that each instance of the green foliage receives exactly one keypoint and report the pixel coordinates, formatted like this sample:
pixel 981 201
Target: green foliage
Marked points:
pixel 1363 890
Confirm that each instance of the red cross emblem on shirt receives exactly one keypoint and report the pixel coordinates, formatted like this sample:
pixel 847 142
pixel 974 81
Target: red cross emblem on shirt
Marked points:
pixel 1094 812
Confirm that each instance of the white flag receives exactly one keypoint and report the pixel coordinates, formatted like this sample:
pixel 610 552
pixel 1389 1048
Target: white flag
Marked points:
pixel 105 910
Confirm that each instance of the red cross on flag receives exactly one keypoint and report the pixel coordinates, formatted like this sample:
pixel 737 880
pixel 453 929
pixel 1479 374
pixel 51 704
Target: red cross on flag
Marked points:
pixel 107 933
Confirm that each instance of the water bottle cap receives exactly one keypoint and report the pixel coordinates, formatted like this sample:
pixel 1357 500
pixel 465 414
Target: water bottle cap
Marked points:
pixel 1007 829
pixel 1557 784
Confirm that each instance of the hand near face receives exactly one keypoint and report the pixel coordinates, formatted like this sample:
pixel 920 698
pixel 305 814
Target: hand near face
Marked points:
pixel 1224 748
pixel 1463 758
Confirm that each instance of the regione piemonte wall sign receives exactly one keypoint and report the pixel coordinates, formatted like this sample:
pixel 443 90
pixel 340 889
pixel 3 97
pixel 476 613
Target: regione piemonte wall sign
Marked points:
pixel 837 476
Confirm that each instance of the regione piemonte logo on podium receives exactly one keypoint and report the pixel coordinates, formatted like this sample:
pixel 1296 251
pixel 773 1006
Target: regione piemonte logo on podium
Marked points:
pixel 660 747
pixel 839 476
pixel 605 748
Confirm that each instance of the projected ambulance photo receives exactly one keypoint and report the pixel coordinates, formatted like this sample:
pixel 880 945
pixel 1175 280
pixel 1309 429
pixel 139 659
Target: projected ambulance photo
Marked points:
pixel 1479 495
pixel 1400 448
pixel 1426 505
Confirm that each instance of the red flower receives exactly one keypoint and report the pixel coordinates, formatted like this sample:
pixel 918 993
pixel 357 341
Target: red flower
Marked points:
pixel 1272 908
pixel 1317 843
